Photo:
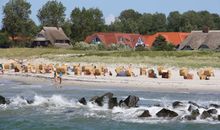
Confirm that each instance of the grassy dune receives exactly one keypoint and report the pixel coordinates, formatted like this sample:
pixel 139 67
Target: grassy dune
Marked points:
pixel 194 59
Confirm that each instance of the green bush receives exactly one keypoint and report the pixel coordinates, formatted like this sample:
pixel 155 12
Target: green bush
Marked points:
pixel 160 44
pixel 101 46
pixel 141 48
pixel 119 47
pixel 81 46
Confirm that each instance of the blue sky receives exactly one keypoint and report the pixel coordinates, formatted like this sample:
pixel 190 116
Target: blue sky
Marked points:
pixel 112 8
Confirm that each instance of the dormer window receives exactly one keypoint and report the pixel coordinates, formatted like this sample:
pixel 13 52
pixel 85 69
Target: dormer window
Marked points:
pixel 121 39
pixel 40 35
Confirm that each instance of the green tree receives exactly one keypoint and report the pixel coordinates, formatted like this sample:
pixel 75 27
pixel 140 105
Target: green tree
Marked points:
pixel 17 20
pixel 4 42
pixel 129 21
pixel 145 24
pixel 52 14
pixel 85 22
pixel 67 27
pixel 174 21
pixel 216 19
pixel 190 21
pixel 159 22
pixel 160 44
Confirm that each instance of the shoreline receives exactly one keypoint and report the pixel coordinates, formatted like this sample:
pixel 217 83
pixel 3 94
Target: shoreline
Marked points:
pixel 140 83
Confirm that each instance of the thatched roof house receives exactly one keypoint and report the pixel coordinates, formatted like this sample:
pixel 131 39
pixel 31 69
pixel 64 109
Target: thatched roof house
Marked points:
pixel 202 40
pixel 51 36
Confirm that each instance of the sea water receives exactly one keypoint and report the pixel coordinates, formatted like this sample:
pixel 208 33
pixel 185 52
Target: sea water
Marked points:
pixel 57 109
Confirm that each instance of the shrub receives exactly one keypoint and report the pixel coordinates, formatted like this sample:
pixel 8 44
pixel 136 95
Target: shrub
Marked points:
pixel 160 44
pixel 141 48
pixel 81 46
pixel 119 47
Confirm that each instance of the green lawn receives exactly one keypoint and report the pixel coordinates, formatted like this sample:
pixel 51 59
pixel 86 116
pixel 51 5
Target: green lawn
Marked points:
pixel 194 59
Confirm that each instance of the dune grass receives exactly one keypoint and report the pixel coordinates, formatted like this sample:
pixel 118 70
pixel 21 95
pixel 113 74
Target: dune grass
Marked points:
pixel 194 59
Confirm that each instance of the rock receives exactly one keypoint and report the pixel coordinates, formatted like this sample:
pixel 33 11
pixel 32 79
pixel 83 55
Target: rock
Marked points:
pixel 131 101
pixel 195 113
pixel 93 98
pixel 205 115
pixel 214 105
pixel 146 113
pixel 219 117
pixel 190 108
pixel 2 100
pixel 99 100
pixel 157 105
pixel 177 104
pixel 212 111
pixel 166 113
pixel 112 102
pixel 122 104
pixel 194 104
pixel 108 95
pixel 30 101
pixel 190 117
pixel 83 101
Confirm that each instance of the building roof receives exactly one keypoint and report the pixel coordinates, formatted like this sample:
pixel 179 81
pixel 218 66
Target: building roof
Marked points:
pixel 52 34
pixel 109 38
pixel 173 37
pixel 197 39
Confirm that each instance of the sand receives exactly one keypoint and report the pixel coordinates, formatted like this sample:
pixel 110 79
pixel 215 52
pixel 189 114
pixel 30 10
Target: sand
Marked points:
pixel 174 84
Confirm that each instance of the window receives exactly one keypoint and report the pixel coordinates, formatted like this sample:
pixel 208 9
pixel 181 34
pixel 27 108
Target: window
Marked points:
pixel 187 48
pixel 40 35
pixel 203 47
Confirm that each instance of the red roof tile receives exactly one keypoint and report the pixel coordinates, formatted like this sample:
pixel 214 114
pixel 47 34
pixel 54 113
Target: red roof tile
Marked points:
pixel 109 38
pixel 173 37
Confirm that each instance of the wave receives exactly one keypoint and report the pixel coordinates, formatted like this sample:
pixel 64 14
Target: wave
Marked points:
pixel 65 105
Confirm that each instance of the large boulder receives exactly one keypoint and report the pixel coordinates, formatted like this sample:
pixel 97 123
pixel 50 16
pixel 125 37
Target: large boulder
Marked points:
pixel 2 100
pixel 112 102
pixel 166 113
pixel 214 105
pixel 177 104
pixel 122 104
pixel 205 115
pixel 100 100
pixel 219 117
pixel 190 117
pixel 108 95
pixel 131 101
pixel 194 104
pixel 193 115
pixel 83 101
pixel 212 111
pixel 146 113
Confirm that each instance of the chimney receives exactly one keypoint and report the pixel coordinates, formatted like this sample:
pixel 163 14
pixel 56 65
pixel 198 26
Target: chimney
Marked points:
pixel 205 29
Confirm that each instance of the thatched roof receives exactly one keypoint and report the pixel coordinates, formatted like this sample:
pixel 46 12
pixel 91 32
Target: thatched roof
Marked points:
pixel 52 34
pixel 200 40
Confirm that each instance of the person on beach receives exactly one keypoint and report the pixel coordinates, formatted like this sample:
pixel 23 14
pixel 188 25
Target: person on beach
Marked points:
pixel 55 76
pixel 60 77
pixel 1 69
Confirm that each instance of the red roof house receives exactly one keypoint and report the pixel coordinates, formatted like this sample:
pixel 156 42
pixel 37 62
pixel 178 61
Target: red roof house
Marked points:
pixel 116 38
pixel 174 38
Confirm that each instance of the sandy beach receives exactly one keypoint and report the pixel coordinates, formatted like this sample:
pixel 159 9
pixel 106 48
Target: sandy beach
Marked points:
pixel 174 84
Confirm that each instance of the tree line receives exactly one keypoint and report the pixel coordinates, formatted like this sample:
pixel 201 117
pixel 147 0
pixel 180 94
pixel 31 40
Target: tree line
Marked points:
pixel 84 22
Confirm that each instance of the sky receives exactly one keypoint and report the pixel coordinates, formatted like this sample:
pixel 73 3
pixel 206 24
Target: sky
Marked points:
pixel 112 8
